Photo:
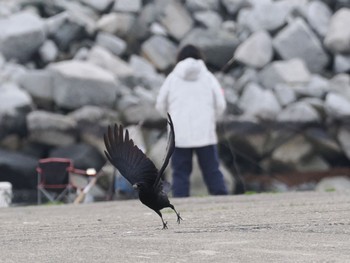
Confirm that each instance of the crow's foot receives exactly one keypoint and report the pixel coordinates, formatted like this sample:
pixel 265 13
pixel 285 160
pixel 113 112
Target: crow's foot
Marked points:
pixel 179 218
pixel 165 225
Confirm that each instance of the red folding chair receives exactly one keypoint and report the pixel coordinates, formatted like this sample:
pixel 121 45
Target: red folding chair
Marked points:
pixel 54 179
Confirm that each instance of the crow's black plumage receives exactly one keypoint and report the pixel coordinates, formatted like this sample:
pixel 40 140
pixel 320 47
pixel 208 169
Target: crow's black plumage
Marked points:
pixel 138 169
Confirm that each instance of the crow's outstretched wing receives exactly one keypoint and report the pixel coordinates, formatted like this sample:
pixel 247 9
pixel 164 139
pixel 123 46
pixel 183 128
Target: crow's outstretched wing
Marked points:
pixel 169 152
pixel 131 162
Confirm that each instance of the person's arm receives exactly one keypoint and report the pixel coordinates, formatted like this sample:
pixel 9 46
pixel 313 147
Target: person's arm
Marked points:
pixel 219 97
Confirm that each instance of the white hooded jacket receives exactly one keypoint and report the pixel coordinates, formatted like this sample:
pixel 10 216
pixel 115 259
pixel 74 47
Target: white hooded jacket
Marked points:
pixel 193 97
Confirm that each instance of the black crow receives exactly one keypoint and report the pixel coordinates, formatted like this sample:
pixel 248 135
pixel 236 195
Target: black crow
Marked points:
pixel 138 169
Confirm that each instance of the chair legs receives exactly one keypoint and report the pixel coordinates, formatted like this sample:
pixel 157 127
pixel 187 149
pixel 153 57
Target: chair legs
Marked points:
pixel 50 197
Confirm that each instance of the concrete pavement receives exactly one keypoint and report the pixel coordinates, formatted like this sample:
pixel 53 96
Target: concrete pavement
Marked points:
pixel 290 227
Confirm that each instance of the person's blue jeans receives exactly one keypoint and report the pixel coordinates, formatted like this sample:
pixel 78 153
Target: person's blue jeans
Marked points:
pixel 208 160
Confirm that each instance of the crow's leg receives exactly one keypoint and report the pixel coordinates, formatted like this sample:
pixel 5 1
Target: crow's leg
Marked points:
pixel 179 218
pixel 164 223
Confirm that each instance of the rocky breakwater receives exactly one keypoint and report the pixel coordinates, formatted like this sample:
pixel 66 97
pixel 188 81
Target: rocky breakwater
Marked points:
pixel 70 68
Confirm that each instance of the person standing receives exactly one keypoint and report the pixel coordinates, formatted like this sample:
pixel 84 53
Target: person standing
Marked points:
pixel 194 99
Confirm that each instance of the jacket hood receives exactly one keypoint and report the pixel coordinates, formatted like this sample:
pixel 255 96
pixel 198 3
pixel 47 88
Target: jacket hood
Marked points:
pixel 189 69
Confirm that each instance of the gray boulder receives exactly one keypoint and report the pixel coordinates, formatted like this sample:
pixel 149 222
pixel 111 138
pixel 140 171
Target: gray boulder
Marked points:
pixel 284 94
pixel 318 16
pixel 80 83
pixel 175 18
pixel 113 43
pixel 100 5
pixel 340 84
pixel 160 51
pixel 38 83
pixel 15 104
pixel 338 35
pixel 341 63
pixel 336 106
pixel 92 123
pixel 327 146
pixel 343 137
pixel 317 87
pixel 298 41
pixel 291 153
pixel 105 59
pixel 266 15
pixel 128 6
pixel 142 112
pixel 217 45
pixel 209 19
pixel 84 156
pixel 234 6
pixel 259 103
pixel 299 112
pixel 21 35
pixel 292 72
pixel 48 51
pixel 256 51
pixel 116 23
pixel 51 128
pixel 200 5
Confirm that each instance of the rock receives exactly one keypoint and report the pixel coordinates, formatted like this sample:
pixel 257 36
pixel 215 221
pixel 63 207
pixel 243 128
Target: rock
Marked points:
pixel 336 106
pixel 141 112
pixel 340 84
pixel 343 137
pixel 312 164
pixel 291 72
pixel 100 5
pixel 341 63
pixel 144 73
pixel 21 35
pixel 200 5
pixel 15 104
pixel 106 60
pixel 48 51
pixel 324 144
pixel 298 41
pixel 267 15
pixel 338 183
pixel 113 43
pixel 249 75
pixel 116 23
pixel 258 102
pixel 318 16
pixel 217 45
pixel 84 156
pixel 80 83
pixel 160 51
pixel 38 83
pixel 284 94
pixel 234 6
pixel 18 169
pixel 209 19
pixel 338 35
pixel 128 6
pixel 256 51
pixel 317 87
pixel 51 128
pixel 291 153
pixel 176 19
pixel 65 31
pixel 299 112
pixel 92 123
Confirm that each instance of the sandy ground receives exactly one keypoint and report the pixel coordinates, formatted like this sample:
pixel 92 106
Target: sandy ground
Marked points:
pixel 291 227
